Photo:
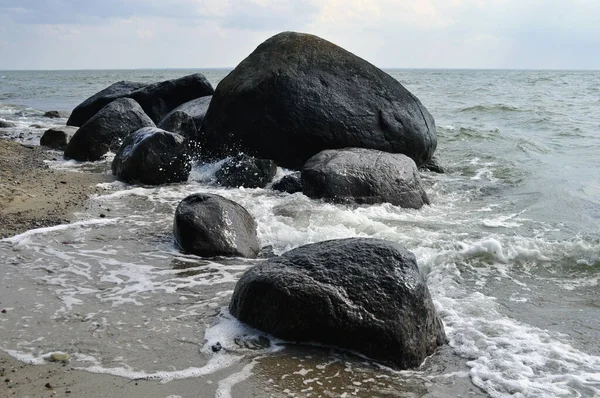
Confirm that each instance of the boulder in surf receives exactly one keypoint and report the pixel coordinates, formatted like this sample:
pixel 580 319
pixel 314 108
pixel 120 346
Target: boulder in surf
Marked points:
pixel 57 137
pixel 364 176
pixel 152 156
pixel 210 225
pixel 246 171
pixel 362 294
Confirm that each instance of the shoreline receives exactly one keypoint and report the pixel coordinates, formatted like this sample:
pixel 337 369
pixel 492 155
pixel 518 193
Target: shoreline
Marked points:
pixel 32 195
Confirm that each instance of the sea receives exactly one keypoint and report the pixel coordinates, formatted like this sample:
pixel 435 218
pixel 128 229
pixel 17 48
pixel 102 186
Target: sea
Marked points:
pixel 510 248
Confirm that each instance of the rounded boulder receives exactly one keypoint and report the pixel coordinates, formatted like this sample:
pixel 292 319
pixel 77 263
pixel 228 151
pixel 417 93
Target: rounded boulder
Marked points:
pixel 152 156
pixel 362 294
pixel 298 94
pixel 210 225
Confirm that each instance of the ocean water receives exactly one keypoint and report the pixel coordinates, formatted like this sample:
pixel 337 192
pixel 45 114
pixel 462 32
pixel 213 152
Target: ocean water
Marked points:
pixel 510 247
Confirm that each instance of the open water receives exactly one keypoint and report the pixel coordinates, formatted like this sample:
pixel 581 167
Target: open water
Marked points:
pixel 510 247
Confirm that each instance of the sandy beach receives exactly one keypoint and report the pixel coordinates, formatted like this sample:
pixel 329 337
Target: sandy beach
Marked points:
pixel 33 196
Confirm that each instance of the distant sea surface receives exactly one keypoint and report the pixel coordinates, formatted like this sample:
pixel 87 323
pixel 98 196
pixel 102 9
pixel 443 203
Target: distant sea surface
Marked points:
pixel 510 247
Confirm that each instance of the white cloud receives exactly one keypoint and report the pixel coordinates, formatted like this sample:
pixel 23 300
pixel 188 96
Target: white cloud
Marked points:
pixel 389 33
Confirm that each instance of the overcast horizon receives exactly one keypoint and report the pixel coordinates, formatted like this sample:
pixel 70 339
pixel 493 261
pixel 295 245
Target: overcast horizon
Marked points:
pixel 214 34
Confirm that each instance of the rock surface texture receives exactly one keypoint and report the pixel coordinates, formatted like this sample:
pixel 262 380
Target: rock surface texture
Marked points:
pixel 298 94
pixel 107 129
pixel 364 176
pixel 209 225
pixel 152 156
pixel 361 294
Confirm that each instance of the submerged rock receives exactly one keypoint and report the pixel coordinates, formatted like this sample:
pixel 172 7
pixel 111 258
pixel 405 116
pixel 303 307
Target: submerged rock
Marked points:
pixel 152 156
pixel 106 130
pixel 53 114
pixel 298 94
pixel 364 176
pixel 290 183
pixel 210 225
pixel 58 137
pixel 246 171
pixel 6 124
pixel 366 295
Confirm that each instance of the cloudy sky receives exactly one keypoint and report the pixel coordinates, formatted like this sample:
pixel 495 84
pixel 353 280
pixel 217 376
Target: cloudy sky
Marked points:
pixel 114 34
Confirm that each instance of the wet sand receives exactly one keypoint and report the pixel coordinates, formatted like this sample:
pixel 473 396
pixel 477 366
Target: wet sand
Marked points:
pixel 33 195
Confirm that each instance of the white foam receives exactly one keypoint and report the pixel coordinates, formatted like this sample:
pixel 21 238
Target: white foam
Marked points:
pixel 25 236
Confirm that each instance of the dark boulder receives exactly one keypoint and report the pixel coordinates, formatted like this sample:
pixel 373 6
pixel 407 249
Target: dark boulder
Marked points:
pixel 290 183
pixel 180 123
pixel 298 94
pixel 106 130
pixel 361 294
pixel 156 99
pixel 152 156
pixel 195 108
pixel 58 137
pixel 6 124
pixel 246 171
pixel 364 176
pixel 210 225
pixel 159 99
pixel 88 108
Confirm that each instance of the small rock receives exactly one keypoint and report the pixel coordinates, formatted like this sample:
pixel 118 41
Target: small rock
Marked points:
pixel 60 357
pixel 48 386
pixel 4 311
pixel 216 347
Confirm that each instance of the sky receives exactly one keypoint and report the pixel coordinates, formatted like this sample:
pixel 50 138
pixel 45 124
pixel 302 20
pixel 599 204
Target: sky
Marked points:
pixel 132 34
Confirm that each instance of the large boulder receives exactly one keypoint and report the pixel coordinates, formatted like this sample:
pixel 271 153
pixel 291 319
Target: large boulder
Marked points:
pixel 152 156
pixel 58 137
pixel 88 108
pixel 157 99
pixel 246 171
pixel 298 94
pixel 210 225
pixel 106 130
pixel 365 176
pixel 362 294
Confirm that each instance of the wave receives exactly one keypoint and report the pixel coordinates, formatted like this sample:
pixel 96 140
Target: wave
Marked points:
pixel 495 108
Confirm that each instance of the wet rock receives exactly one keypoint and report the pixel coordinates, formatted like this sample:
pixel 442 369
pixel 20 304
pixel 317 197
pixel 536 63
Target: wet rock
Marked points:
pixel 58 137
pixel 298 94
pixel 361 294
pixel 106 130
pixel 290 183
pixel 246 171
pixel 433 165
pixel 152 156
pixel 364 176
pixel 209 225
pixel 6 124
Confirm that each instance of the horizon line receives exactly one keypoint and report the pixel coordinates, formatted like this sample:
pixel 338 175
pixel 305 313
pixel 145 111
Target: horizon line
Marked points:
pixel 233 67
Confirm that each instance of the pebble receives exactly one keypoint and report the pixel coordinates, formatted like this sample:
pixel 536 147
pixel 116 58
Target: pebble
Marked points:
pixel 60 357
